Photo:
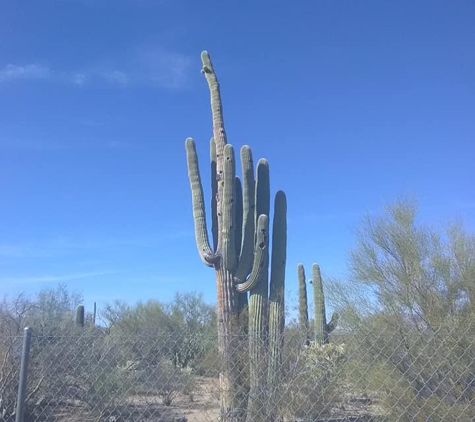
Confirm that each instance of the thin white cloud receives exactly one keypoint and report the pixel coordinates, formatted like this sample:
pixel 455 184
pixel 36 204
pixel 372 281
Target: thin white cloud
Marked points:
pixel 66 246
pixel 164 68
pixel 12 72
pixel 117 77
pixel 12 251
pixel 151 66
pixel 54 278
pixel 61 146
pixel 77 78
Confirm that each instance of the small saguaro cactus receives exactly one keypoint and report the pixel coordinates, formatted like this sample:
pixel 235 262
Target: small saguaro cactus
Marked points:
pixel 80 316
pixel 249 301
pixel 303 306
pixel 321 328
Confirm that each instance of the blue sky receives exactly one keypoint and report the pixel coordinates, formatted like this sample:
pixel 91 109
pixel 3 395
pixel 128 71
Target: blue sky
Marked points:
pixel 353 104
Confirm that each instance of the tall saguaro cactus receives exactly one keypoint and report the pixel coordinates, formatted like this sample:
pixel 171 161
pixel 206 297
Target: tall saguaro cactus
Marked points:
pixel 240 257
pixel 321 329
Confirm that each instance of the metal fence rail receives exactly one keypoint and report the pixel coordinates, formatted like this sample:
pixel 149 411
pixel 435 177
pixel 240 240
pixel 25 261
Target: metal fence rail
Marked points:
pixel 384 374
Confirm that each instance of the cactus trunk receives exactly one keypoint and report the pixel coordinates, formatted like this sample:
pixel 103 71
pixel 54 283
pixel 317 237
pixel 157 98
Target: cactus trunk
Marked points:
pixel 277 302
pixel 240 257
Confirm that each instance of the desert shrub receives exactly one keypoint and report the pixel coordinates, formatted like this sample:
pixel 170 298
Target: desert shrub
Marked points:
pixel 183 330
pixel 164 380
pixel 311 388
pixel 49 314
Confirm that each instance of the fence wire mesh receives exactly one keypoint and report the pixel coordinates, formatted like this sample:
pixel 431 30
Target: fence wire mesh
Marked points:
pixel 386 373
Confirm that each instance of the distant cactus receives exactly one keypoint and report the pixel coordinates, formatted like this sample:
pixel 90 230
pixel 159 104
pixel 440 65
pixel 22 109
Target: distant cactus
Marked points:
pixel 80 316
pixel 321 328
pixel 303 305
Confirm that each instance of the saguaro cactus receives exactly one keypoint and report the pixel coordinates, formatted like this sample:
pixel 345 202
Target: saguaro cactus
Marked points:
pixel 80 316
pixel 240 258
pixel 303 306
pixel 321 328
pixel 94 313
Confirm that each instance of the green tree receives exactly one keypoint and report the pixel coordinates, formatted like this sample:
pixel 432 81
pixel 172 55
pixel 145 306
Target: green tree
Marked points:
pixel 182 330
pixel 409 309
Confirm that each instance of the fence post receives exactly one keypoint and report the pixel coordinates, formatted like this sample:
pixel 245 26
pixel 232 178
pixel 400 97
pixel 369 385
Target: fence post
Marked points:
pixel 25 358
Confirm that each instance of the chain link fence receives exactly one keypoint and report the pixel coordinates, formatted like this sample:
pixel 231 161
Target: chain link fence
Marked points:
pixel 386 373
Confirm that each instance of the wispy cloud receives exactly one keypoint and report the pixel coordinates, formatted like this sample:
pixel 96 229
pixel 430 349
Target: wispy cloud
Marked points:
pixel 164 68
pixel 39 145
pixel 155 67
pixel 117 77
pixel 66 246
pixel 35 72
pixel 54 278
pixel 324 217
pixel 12 72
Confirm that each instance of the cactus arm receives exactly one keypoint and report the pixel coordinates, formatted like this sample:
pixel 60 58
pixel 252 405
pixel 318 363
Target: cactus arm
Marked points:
pixel 260 261
pixel 276 298
pixel 260 238
pixel 214 193
pixel 262 189
pixel 239 212
pixel 303 304
pixel 246 250
pixel 227 231
pixel 199 214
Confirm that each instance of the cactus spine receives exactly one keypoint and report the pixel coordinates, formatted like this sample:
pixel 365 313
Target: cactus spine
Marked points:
pixel 80 316
pixel 321 328
pixel 240 258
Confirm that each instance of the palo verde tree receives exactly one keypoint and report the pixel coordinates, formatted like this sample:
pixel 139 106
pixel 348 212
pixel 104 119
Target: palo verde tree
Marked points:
pixel 239 255
pixel 410 307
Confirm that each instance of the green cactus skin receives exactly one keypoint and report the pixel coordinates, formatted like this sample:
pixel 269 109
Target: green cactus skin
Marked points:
pixel 80 316
pixel 214 193
pixel 322 329
pixel 240 257
pixel 277 301
pixel 258 301
pixel 303 305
